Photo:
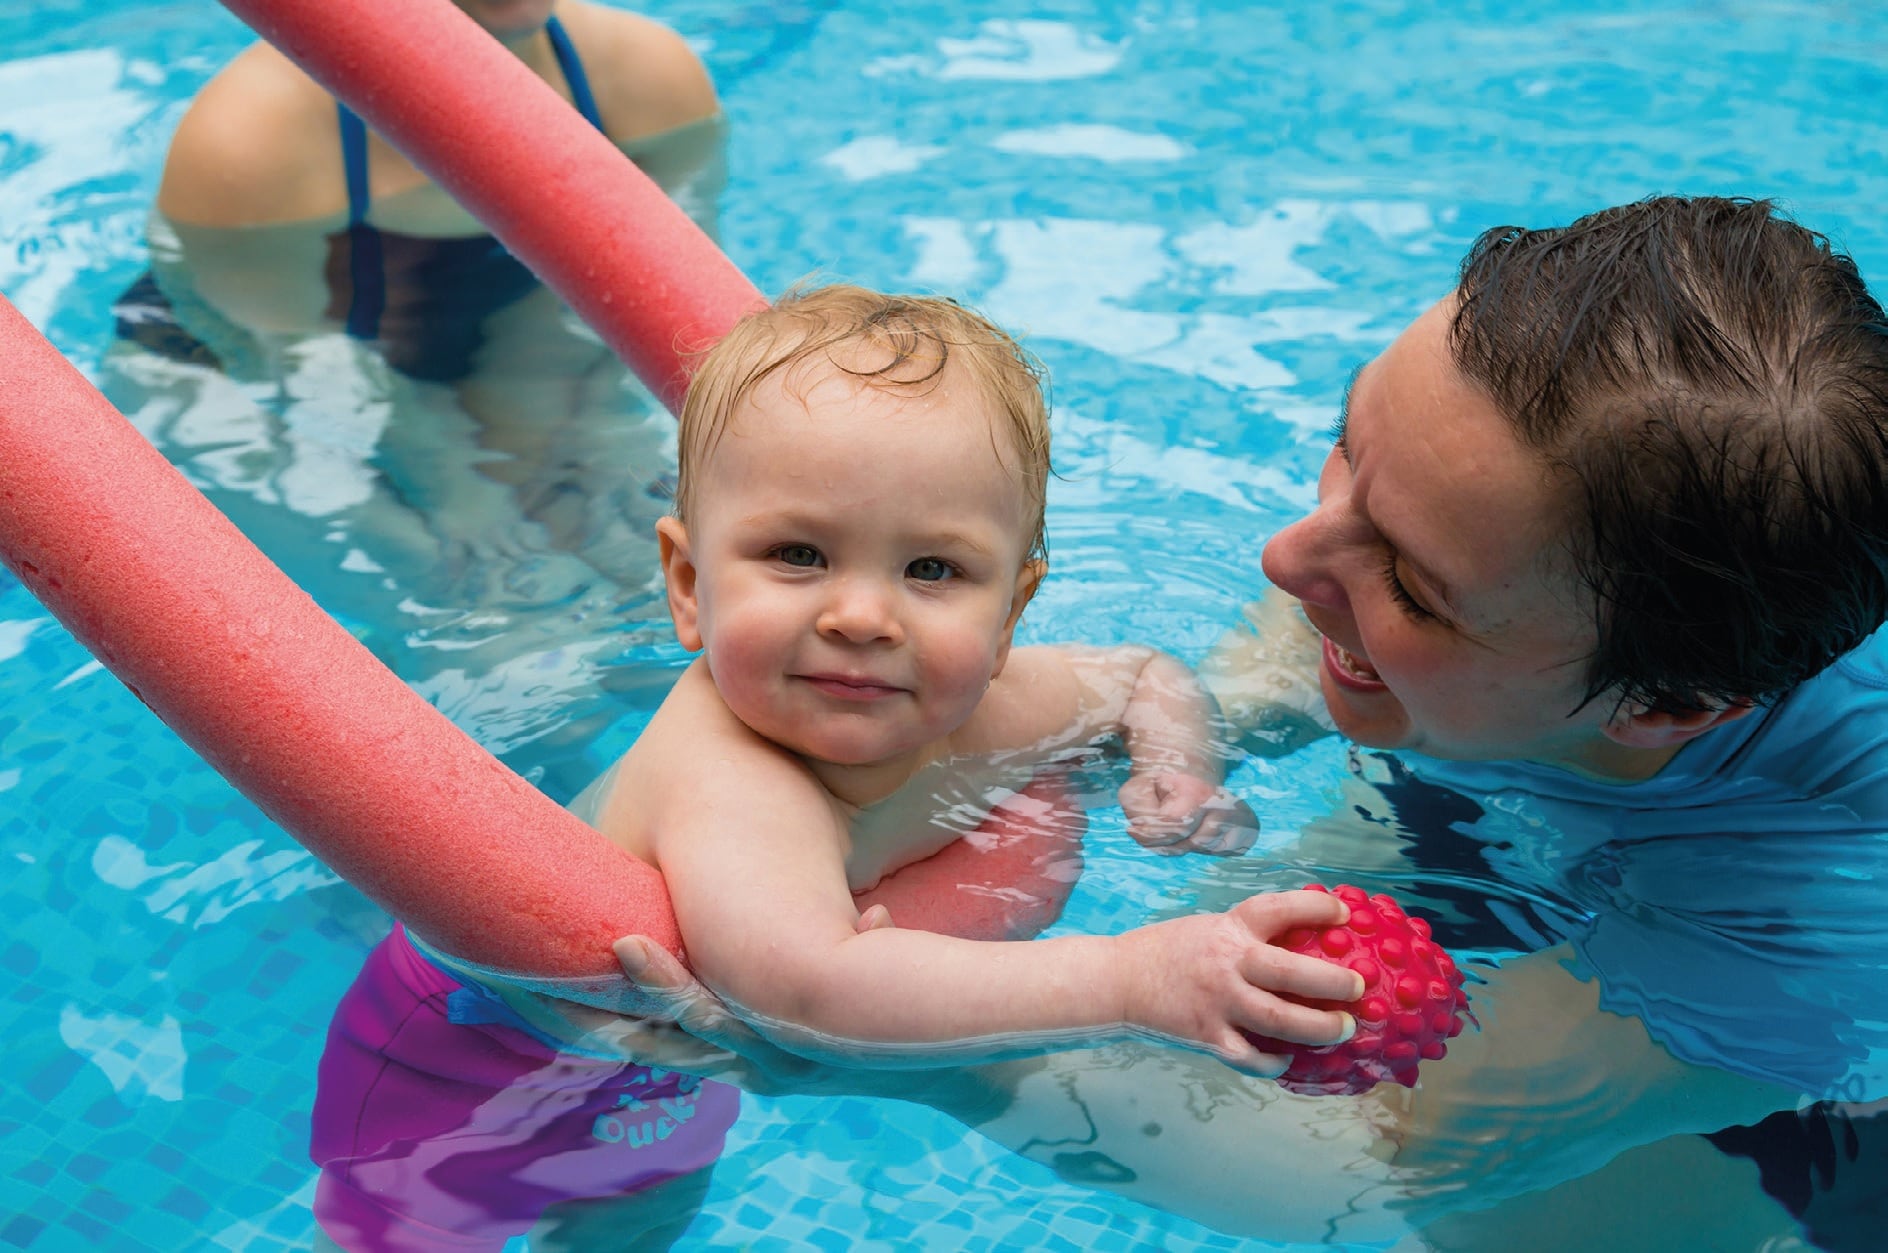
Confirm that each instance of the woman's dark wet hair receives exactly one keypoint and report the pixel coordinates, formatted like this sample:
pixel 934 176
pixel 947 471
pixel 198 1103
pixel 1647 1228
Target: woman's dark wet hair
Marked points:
pixel 1712 380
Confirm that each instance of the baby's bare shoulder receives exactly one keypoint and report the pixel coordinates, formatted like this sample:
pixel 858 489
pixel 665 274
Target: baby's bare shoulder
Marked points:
pixel 697 763
pixel 1036 701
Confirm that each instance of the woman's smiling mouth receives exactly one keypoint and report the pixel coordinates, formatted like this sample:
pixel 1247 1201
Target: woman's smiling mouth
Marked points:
pixel 1350 670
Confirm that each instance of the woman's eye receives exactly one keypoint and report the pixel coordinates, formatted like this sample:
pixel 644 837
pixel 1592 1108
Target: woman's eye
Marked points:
pixel 930 570
pixel 803 555
pixel 1401 595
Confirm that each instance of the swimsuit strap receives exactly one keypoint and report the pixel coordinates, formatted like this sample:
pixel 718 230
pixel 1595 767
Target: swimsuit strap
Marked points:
pixel 572 66
pixel 367 277
pixel 354 162
pixel 367 273
pixel 354 131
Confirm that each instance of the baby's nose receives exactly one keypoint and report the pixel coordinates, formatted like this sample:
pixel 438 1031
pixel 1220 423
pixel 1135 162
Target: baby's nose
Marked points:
pixel 863 611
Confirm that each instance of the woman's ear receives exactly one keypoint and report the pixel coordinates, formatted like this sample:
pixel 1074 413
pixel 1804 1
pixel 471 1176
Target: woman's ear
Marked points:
pixel 678 575
pixel 1028 579
pixel 1635 726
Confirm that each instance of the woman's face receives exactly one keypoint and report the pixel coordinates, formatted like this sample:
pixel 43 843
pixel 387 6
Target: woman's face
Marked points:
pixel 1433 568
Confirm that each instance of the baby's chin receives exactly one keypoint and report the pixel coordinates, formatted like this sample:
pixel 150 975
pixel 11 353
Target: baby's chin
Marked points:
pixel 841 749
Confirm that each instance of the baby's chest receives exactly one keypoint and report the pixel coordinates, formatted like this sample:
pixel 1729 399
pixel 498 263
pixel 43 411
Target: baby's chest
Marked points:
pixel 937 808
pixel 879 848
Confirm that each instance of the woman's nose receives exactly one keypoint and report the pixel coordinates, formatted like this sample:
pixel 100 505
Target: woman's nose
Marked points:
pixel 861 611
pixel 1300 561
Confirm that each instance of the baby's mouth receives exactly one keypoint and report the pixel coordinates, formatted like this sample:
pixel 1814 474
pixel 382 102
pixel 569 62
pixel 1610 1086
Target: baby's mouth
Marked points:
pixel 851 687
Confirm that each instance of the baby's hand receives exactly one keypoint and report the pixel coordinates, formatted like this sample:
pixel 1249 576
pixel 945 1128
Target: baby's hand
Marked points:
pixel 1213 981
pixel 1171 811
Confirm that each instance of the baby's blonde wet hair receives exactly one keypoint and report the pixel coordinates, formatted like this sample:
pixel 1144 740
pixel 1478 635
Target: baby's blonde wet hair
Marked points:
pixel 902 343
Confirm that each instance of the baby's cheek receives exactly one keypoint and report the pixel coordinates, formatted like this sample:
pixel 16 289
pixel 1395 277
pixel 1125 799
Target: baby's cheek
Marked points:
pixel 739 661
pixel 965 675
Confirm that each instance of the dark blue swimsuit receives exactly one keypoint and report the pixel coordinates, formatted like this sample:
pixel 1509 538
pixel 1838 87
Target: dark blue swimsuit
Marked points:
pixel 422 301
pixel 425 301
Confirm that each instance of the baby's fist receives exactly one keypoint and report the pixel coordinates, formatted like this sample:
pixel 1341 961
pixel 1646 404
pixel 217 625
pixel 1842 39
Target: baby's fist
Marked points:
pixel 1171 811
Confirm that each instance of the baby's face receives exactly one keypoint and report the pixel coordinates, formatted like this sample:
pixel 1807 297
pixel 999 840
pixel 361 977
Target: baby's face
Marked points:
pixel 860 558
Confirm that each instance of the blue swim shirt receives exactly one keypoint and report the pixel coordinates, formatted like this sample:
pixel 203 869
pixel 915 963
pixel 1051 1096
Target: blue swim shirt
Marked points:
pixel 1737 902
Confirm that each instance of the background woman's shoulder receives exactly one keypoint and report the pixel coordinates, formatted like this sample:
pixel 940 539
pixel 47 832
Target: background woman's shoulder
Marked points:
pixel 259 145
pixel 646 78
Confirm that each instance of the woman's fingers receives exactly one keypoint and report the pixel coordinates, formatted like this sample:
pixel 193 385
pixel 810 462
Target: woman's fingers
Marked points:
pixel 677 994
pixel 650 966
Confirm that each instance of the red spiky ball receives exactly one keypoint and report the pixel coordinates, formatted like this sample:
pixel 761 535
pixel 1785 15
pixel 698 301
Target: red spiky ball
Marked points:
pixel 1413 999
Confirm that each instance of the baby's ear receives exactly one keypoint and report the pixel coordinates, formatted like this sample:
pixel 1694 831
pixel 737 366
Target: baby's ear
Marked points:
pixel 678 574
pixel 1028 579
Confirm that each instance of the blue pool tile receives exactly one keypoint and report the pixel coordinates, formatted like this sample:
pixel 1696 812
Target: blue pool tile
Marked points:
pixel 186 1204
pixel 106 1206
pixel 35 1173
pixel 165 1159
pixel 19 960
pixel 89 1227
pixel 281 1176
pixel 21 1232
pixel 107 1111
pixel 86 1166
pixel 46 1083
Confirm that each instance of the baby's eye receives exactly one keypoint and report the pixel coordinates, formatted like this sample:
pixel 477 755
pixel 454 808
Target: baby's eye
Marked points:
pixel 802 555
pixel 930 570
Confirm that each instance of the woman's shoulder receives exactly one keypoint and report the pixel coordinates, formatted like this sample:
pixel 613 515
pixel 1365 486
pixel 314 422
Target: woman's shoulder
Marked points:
pixel 646 78
pixel 257 146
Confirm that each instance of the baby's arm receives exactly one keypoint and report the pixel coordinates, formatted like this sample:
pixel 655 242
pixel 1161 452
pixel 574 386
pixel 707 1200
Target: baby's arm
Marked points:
pixel 1162 715
pixel 815 984
pixel 753 852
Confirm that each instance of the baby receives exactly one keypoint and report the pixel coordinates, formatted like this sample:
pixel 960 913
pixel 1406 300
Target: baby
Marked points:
pixel 858 526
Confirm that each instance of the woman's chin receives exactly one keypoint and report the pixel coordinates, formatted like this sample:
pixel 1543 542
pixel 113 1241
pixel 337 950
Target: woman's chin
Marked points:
pixel 1371 718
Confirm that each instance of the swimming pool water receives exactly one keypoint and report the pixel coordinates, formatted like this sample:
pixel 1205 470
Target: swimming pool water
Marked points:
pixel 1203 215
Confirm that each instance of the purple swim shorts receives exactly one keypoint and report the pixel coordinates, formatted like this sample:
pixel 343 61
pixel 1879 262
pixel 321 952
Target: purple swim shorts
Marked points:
pixel 436 1130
